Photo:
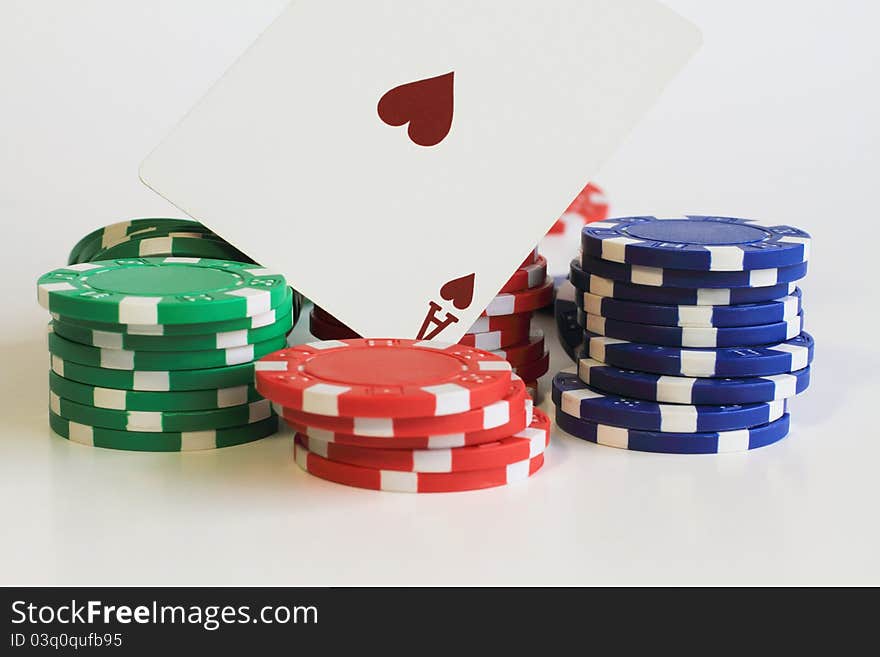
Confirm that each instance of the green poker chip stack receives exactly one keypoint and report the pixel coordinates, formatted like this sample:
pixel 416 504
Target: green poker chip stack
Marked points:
pixel 153 237
pixel 156 353
pixel 160 237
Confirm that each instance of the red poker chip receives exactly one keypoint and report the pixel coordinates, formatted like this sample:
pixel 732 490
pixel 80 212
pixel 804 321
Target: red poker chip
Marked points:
pixel 517 423
pixel 531 258
pixel 500 323
pixel 525 351
pixel 324 330
pixel 492 340
pixel 414 482
pixel 486 417
pixel 523 445
pixel 521 302
pixel 534 370
pixel 528 276
pixel 383 378
pixel 590 204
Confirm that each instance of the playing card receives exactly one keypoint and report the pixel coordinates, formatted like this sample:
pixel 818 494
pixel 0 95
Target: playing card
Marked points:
pixel 397 159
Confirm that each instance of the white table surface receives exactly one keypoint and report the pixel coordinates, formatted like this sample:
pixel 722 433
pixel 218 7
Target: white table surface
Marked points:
pixel 776 118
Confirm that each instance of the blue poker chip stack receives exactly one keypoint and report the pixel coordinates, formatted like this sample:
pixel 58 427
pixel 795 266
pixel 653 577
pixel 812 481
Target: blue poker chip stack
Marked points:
pixel 687 333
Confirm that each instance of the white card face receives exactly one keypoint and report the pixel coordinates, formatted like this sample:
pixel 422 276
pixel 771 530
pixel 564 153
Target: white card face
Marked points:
pixel 293 158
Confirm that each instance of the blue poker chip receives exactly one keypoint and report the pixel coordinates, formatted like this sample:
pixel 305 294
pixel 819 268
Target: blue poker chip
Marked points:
pixel 750 314
pixel 693 336
pixel 605 287
pixel 658 277
pixel 571 335
pixel 576 398
pixel 692 390
pixel 782 358
pixel 696 242
pixel 675 443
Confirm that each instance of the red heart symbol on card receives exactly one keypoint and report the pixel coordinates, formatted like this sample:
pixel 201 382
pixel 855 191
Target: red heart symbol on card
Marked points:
pixel 425 104
pixel 460 291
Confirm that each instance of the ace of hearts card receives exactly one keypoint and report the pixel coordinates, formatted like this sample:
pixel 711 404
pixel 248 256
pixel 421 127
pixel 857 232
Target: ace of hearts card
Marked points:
pixel 397 159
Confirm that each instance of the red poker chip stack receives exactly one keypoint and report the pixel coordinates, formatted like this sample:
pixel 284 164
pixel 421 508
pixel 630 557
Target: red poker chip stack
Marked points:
pixel 405 415
pixel 504 328
pixel 564 236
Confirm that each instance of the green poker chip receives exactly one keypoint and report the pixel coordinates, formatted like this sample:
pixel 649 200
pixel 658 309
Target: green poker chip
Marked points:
pixel 155 381
pixel 93 252
pixel 289 305
pixel 111 235
pixel 143 441
pixel 161 290
pixel 167 234
pixel 134 400
pixel 180 245
pixel 160 421
pixel 123 359
pixel 224 340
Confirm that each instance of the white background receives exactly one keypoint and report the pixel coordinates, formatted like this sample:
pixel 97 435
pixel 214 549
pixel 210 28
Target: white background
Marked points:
pixel 775 119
